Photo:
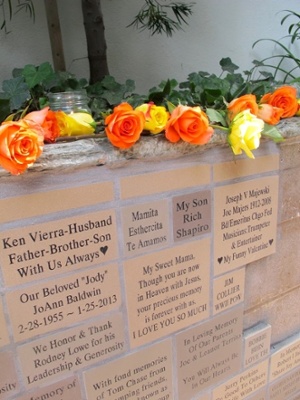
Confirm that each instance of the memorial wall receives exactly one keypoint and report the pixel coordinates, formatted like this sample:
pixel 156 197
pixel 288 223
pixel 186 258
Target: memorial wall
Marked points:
pixel 170 277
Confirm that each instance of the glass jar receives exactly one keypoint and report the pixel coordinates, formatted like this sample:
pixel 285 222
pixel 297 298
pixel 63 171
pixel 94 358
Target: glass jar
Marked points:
pixel 69 102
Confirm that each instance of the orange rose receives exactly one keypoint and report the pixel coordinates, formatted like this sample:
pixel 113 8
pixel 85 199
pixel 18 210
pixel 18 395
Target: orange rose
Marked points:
pixel 189 124
pixel 284 97
pixel 246 102
pixel 269 114
pixel 124 126
pixel 21 143
pixel 48 121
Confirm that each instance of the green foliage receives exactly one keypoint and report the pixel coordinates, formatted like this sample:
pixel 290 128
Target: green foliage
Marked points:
pixel 29 88
pixel 108 93
pixel 209 90
pixel 7 8
pixel 272 132
pixel 285 63
pixel 156 17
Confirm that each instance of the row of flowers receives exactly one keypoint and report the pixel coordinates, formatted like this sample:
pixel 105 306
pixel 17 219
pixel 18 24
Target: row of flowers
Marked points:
pixel 245 120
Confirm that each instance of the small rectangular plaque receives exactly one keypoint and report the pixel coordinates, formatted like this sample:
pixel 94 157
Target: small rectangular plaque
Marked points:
pixel 54 304
pixel 244 384
pixel 245 167
pixel 245 222
pixel 163 181
pixel 4 337
pixel 68 389
pixel 285 357
pixel 8 377
pixel 167 290
pixel 209 353
pixel 229 290
pixel 52 201
pixel 55 356
pixel 145 227
pixel 286 387
pixel 257 342
pixel 146 374
pixel 260 395
pixel 191 215
pixel 38 251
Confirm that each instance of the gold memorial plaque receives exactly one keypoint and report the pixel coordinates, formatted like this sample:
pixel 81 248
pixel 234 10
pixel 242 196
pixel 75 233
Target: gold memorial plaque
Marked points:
pixel 191 215
pixel 240 168
pixel 68 389
pixel 229 290
pixel 42 203
pixel 58 303
pixel 209 353
pixel 163 181
pixel 145 227
pixel 286 387
pixel 244 384
pixel 8 376
pixel 257 341
pixel 57 355
pixel 146 374
pixel 245 222
pixel 167 291
pixel 285 357
pixel 4 337
pixel 38 251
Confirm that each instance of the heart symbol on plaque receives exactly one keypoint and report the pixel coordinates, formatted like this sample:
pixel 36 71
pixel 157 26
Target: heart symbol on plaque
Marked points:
pixel 104 249
pixel 220 259
pixel 271 241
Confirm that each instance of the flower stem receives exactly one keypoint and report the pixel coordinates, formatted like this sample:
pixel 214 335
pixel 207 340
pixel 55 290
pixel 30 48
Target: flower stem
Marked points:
pixel 222 128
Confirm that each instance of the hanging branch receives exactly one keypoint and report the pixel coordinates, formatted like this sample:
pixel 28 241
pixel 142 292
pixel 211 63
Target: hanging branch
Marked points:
pixel 23 5
pixel 156 17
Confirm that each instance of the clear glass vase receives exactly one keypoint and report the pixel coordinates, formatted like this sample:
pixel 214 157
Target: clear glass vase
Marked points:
pixel 69 102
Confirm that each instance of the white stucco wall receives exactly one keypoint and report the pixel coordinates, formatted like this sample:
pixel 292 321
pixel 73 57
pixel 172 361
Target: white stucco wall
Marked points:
pixel 217 29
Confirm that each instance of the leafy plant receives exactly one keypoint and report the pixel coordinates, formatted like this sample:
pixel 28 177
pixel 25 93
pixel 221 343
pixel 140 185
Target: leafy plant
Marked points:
pixel 287 62
pixel 28 88
pixel 209 90
pixel 6 7
pixel 155 17
pixel 108 93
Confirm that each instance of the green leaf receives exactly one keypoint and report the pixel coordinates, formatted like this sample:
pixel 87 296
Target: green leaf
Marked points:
pixel 216 116
pixel 272 132
pixel 129 85
pixel 4 107
pixel 171 107
pixel 37 75
pixel 17 91
pixel 113 98
pixel 167 89
pixel 109 82
pixel 227 65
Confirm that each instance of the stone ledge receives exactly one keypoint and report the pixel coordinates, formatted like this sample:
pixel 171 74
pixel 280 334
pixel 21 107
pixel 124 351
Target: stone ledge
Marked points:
pixel 99 151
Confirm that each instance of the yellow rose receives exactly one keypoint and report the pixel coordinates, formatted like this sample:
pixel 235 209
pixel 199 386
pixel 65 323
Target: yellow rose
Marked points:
pixel 245 133
pixel 79 123
pixel 298 112
pixel 156 117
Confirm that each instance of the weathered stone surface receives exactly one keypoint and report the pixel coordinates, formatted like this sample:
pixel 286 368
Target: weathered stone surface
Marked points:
pixel 97 151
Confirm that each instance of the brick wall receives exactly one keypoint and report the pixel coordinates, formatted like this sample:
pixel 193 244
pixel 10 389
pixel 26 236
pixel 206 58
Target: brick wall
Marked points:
pixel 174 276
